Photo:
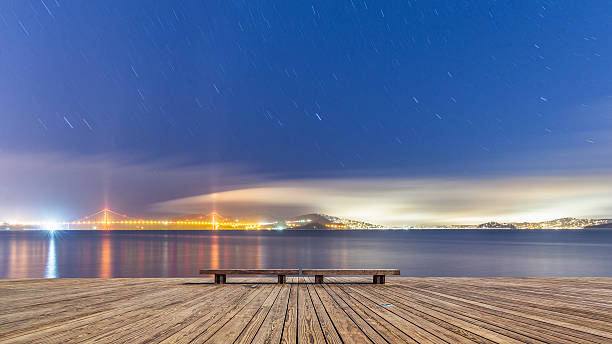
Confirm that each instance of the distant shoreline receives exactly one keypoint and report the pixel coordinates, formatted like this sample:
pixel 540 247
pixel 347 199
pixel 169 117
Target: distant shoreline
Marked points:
pixel 107 219
pixel 298 230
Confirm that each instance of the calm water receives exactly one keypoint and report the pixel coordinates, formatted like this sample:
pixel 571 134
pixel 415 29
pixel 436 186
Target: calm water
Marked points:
pixel 416 253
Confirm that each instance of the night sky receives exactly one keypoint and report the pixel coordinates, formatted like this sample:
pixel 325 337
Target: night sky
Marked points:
pixel 395 112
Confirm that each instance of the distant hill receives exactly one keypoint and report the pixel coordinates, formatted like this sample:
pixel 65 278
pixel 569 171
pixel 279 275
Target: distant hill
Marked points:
pixel 600 226
pixel 561 223
pixel 310 221
pixel 496 225
pixel 565 222
pixel 311 225
pixel 318 218
pixel 307 221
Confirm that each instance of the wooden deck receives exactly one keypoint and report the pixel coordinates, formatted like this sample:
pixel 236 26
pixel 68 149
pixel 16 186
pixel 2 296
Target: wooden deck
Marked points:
pixel 411 310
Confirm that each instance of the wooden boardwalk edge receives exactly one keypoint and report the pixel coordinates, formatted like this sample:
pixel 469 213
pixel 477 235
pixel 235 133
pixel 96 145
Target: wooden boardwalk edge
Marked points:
pixel 342 310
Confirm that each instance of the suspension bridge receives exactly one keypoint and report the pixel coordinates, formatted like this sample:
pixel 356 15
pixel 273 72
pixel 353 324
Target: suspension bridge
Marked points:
pixel 107 218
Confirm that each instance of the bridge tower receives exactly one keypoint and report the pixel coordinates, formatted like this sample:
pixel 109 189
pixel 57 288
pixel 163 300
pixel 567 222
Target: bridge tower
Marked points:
pixel 104 218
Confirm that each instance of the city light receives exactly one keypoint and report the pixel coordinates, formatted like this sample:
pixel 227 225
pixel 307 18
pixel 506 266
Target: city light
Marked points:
pixel 51 225
pixel 108 219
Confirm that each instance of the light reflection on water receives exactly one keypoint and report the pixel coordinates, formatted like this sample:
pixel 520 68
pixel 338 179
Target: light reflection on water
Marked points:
pixel 26 254
pixel 106 260
pixel 51 266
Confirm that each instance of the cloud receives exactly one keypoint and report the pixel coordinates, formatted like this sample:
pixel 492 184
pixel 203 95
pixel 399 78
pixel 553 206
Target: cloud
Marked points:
pixel 399 201
pixel 63 186
pixel 60 186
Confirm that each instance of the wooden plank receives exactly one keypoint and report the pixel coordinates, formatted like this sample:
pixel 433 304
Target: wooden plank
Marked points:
pixel 160 324
pixel 596 334
pixel 231 323
pixel 363 325
pixel 349 272
pixel 327 326
pixel 349 331
pixel 250 271
pixel 543 293
pixel 385 328
pixel 210 305
pixel 130 312
pixel 41 295
pixel 52 306
pixel 207 325
pixel 432 310
pixel 438 324
pixel 28 321
pixel 488 325
pixel 410 325
pixel 550 308
pixel 272 328
pixel 568 315
pixel 309 329
pixel 246 323
pixel 289 333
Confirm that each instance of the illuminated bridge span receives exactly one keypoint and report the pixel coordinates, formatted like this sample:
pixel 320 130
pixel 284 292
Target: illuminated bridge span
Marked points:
pixel 106 218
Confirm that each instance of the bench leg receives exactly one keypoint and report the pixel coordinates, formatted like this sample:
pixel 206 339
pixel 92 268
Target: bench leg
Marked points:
pixel 282 279
pixel 219 279
pixel 379 279
pixel 318 279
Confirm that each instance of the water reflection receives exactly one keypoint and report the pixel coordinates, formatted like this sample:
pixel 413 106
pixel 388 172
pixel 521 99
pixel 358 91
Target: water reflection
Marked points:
pixel 51 266
pixel 13 267
pixel 416 253
pixel 214 251
pixel 106 259
pixel 21 255
pixel 164 256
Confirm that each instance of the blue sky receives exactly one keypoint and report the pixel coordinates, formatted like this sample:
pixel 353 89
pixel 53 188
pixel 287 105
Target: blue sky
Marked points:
pixel 275 90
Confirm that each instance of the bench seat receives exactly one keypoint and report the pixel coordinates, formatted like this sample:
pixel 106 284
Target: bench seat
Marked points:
pixel 378 274
pixel 220 274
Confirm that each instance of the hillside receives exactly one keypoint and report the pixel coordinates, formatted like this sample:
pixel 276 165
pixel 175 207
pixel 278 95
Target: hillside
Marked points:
pixel 327 221
pixel 600 226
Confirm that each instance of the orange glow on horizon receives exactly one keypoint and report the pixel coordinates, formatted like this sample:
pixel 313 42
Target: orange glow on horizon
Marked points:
pixel 105 220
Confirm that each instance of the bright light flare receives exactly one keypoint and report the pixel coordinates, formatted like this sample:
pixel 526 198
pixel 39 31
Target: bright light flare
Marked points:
pixel 51 225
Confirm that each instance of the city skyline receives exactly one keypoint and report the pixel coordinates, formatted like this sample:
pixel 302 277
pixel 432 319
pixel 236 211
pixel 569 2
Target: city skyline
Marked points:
pixel 109 219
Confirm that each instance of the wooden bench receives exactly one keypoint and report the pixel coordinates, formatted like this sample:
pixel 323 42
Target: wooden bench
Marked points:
pixel 379 274
pixel 220 274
